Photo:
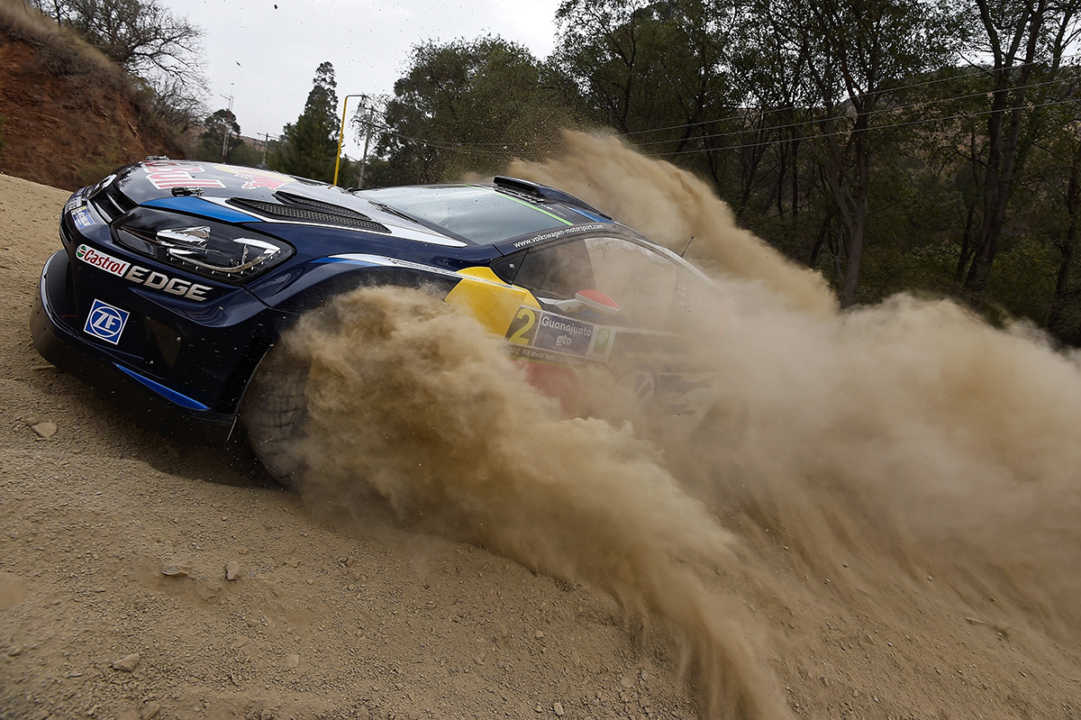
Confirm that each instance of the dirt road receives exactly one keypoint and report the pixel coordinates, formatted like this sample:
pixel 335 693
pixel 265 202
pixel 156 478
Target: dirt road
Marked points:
pixel 369 620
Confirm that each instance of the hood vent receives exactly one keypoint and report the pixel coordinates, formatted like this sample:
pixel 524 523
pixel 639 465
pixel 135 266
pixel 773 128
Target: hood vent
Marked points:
pixel 109 201
pixel 297 208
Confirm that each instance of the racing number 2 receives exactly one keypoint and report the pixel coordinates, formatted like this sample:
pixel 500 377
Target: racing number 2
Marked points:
pixel 523 327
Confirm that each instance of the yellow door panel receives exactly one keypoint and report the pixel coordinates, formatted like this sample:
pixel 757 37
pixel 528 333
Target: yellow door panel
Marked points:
pixel 493 302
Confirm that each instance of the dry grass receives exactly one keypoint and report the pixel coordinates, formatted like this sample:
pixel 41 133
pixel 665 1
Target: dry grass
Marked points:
pixel 62 50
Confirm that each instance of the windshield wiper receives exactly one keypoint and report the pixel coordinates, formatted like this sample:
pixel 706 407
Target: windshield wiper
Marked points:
pixel 395 211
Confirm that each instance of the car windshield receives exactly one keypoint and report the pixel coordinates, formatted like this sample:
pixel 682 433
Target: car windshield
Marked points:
pixel 479 214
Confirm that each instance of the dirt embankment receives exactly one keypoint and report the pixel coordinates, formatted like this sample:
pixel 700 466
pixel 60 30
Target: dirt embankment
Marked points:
pixel 67 115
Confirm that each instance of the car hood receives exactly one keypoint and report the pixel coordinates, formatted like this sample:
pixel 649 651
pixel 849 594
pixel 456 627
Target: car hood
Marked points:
pixel 155 179
pixel 242 194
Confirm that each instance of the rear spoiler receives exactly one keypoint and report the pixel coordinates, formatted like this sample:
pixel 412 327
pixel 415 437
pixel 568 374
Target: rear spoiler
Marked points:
pixel 544 193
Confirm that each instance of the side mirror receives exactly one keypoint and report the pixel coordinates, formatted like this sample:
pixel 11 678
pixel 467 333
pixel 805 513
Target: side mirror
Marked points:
pixel 596 300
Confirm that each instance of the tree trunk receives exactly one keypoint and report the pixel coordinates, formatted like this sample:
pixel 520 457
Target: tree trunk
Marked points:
pixel 966 243
pixel 1068 247
pixel 795 177
pixel 823 229
pixel 782 169
pixel 854 245
pixel 1002 143
pixel 750 159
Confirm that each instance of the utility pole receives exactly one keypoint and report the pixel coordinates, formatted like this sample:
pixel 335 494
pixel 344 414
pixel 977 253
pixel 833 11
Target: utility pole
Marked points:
pixel 367 139
pixel 367 135
pixel 224 142
pixel 225 135
pixel 266 141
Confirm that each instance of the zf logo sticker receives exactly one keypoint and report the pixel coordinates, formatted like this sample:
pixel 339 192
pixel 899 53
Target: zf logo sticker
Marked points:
pixel 523 327
pixel 105 322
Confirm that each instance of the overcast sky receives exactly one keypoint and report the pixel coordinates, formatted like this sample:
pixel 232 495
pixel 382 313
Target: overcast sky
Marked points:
pixel 266 57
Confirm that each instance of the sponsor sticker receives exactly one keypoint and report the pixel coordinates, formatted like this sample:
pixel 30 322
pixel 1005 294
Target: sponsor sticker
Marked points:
pixel 106 322
pixel 143 276
pixel 111 265
pixel 557 234
pixel 169 174
pixel 548 331
pixel 562 334
pixel 258 178
pixel 82 217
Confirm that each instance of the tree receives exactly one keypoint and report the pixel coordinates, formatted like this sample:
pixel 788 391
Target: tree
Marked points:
pixel 159 50
pixel 245 154
pixel 221 135
pixel 1059 208
pixel 643 65
pixel 368 120
pixel 1026 40
pixel 308 146
pixel 468 105
pixel 140 35
pixel 855 53
pixel 173 102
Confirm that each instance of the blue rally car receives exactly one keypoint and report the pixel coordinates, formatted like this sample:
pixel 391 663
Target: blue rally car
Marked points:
pixel 180 276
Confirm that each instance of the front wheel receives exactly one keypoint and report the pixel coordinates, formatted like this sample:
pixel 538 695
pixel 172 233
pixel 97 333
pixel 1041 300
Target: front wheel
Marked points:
pixel 274 415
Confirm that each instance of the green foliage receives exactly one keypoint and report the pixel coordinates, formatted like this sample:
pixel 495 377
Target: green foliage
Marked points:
pixel 308 146
pixel 245 154
pixel 468 105
pixel 220 137
pixel 647 65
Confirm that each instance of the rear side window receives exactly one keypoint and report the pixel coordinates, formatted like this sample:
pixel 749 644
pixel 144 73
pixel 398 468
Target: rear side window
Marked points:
pixel 645 283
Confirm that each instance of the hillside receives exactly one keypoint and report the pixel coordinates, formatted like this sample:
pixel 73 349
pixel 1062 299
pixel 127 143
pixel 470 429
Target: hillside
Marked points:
pixel 67 115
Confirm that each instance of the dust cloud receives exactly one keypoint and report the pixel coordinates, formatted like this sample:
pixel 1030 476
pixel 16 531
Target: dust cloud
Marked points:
pixel 674 208
pixel 903 441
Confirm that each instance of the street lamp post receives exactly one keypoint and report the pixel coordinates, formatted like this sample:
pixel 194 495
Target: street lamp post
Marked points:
pixel 341 135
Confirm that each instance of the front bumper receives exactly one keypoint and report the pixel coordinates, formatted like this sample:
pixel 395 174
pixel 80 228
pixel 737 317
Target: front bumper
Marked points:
pixel 206 392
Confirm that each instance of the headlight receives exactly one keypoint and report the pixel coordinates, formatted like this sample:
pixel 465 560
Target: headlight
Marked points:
pixel 212 249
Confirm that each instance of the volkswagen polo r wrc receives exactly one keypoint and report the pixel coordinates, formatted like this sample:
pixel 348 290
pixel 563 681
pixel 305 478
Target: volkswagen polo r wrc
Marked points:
pixel 179 277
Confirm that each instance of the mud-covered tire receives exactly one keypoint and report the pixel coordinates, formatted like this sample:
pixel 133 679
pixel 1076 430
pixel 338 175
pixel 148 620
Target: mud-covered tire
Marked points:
pixel 274 415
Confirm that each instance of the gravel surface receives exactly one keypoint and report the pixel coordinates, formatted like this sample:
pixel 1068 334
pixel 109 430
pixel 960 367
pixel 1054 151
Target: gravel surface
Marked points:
pixel 143 576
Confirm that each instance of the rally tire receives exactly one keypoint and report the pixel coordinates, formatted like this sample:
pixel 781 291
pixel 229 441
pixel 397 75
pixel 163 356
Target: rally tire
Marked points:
pixel 274 415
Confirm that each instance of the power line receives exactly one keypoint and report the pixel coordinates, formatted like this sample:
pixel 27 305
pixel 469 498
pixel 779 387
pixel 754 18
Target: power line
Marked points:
pixel 814 121
pixel 868 129
pixel 924 83
pixel 475 149
pixel 440 145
